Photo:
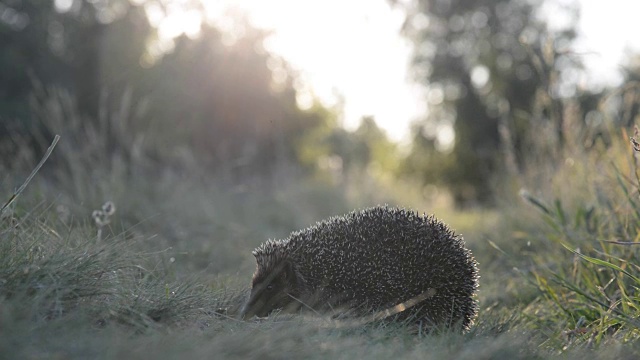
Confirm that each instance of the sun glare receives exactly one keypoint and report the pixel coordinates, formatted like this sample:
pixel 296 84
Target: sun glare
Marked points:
pixel 346 52
pixel 607 31
pixel 351 52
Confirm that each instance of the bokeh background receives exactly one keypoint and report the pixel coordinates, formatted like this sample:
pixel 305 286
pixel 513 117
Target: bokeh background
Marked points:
pixel 451 95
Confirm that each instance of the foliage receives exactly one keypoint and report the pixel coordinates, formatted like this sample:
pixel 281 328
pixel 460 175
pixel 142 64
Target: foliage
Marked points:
pixel 225 101
pixel 486 65
pixel 219 99
pixel 341 154
pixel 595 295
pixel 45 44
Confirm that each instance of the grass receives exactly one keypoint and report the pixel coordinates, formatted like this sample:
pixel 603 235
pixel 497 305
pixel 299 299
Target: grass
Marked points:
pixel 109 255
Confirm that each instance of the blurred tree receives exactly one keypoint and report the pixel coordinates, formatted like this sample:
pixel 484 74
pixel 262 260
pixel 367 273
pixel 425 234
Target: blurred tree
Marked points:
pixel 484 63
pixel 229 102
pixel 629 113
pixel 381 153
pixel 215 98
pixel 24 43
pixel 238 116
pixel 333 150
pixel 62 43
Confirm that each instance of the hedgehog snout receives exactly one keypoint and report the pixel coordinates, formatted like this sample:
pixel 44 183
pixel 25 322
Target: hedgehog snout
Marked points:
pixel 272 289
pixel 253 307
pixel 264 299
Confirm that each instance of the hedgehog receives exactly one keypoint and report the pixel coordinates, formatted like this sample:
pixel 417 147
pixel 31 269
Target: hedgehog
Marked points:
pixel 380 260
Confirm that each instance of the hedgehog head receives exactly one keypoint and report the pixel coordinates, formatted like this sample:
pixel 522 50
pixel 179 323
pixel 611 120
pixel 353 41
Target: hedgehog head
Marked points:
pixel 275 281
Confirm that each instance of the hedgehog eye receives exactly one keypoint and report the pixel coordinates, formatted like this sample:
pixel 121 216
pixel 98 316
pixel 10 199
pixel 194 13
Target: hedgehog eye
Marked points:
pixel 270 287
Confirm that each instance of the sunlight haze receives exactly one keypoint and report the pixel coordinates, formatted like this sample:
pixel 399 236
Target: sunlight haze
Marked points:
pixel 352 52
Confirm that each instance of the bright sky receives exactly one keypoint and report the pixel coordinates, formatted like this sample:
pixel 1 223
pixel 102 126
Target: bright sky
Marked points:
pixel 350 48
pixel 609 30
pixel 354 48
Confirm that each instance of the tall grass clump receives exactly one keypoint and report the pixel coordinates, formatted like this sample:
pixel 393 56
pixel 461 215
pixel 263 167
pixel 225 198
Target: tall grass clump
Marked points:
pixel 586 263
pixel 52 270
pixel 57 281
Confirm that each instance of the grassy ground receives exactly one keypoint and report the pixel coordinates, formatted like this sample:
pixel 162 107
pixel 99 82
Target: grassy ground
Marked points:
pixel 161 274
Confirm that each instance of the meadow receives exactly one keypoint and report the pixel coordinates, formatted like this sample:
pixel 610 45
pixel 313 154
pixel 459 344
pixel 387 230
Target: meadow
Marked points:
pixel 109 252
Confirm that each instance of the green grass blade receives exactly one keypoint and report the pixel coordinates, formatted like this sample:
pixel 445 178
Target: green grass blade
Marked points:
pixel 630 199
pixel 604 263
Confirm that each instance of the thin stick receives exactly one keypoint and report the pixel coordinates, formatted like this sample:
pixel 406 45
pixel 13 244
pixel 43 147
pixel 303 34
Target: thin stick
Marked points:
pixel 33 173
pixel 622 242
